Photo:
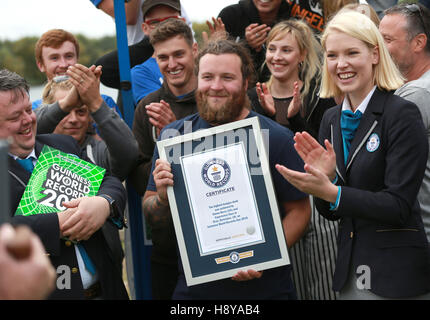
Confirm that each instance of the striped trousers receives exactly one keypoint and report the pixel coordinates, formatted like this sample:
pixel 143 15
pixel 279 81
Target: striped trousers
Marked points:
pixel 313 259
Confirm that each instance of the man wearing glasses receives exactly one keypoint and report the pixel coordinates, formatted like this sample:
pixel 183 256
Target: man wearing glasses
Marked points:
pixel 146 77
pixel 139 51
pixel 406 32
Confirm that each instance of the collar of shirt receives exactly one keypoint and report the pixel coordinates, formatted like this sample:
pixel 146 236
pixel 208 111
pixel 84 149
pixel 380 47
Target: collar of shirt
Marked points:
pixel 363 105
pixel 32 154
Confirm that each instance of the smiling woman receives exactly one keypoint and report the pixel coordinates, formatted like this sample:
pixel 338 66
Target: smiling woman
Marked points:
pixel 350 63
pixel 368 176
pixel 291 98
pixel 290 95
pixel 385 73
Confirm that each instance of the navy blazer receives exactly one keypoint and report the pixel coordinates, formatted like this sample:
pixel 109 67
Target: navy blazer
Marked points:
pixel 380 220
pixel 46 226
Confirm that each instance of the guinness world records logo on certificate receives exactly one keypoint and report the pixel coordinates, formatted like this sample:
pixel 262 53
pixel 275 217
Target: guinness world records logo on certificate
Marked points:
pixel 223 204
pixel 216 173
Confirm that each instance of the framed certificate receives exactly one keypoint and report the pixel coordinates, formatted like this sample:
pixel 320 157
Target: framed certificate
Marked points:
pixel 223 203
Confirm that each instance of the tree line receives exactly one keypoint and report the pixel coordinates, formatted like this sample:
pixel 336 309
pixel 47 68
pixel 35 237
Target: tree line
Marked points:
pixel 18 56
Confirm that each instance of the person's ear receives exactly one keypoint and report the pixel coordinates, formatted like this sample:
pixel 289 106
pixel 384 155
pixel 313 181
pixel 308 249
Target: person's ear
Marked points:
pixel 419 42
pixel 145 28
pixel 375 55
pixel 41 66
pixel 195 49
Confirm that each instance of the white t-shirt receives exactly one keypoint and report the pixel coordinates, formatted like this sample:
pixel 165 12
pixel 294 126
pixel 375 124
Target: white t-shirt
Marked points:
pixel 134 31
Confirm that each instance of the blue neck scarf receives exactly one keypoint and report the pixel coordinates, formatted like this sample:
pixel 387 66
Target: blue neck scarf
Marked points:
pixel 349 122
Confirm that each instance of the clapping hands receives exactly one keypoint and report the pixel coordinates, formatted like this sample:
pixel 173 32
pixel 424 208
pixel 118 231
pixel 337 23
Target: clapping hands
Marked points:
pixel 320 168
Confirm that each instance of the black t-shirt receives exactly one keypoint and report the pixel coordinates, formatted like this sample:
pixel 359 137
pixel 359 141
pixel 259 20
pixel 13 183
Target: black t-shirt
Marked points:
pixel 310 10
pixel 139 53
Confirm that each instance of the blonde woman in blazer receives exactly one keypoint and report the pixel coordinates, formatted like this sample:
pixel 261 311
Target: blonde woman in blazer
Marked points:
pixel 369 173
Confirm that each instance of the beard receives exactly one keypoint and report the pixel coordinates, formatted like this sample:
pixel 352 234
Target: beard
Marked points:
pixel 224 113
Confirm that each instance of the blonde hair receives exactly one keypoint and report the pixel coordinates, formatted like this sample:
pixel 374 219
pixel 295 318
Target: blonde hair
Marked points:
pixel 51 88
pixel 308 45
pixel 363 8
pixel 385 74
pixel 331 7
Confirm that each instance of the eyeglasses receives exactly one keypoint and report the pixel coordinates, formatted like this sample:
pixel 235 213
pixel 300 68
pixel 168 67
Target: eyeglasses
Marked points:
pixel 155 22
pixel 414 8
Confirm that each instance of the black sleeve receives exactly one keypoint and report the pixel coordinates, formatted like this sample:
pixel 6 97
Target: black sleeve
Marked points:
pixel 255 104
pixel 312 125
pixel 298 124
pixel 324 206
pixel 45 226
pixel 138 53
pixel 142 130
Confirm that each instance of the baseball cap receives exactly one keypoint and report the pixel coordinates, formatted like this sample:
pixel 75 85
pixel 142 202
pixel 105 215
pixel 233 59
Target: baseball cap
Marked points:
pixel 149 4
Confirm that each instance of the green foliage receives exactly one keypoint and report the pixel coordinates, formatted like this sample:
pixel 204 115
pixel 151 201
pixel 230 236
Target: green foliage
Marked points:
pixel 198 29
pixel 18 56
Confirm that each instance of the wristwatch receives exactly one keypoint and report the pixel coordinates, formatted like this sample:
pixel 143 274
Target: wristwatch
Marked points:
pixel 111 201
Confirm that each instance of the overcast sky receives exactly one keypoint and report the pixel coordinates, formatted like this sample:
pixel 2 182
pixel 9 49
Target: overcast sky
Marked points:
pixel 20 18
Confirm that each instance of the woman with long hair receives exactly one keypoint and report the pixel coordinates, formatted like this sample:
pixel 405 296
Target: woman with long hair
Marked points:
pixel 290 96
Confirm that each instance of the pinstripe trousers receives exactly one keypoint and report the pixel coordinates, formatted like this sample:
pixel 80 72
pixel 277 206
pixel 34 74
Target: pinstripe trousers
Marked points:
pixel 313 259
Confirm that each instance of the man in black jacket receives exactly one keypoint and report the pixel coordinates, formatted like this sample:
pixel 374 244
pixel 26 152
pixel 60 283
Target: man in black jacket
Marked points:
pixel 80 221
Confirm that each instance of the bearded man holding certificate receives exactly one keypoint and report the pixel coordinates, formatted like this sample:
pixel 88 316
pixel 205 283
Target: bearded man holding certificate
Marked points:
pixel 224 73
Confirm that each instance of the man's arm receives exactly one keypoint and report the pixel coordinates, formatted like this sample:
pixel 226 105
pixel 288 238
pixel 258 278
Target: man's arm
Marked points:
pixel 138 52
pixel 420 97
pixel 155 203
pixel 132 8
pixel 49 116
pixel 29 276
pixel 142 130
pixel 296 220
pixel 156 212
pixel 46 226
pixel 122 151
pixel 92 212
pixel 99 209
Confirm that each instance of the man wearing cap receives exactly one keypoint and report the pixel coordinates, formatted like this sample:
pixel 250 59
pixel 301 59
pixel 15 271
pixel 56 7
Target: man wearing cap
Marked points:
pixel 146 77
pixel 139 51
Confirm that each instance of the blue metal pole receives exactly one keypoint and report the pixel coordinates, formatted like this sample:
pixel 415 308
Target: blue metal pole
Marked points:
pixel 141 253
pixel 4 182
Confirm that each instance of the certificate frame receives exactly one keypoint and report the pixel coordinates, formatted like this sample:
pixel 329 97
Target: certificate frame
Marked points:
pixel 258 253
